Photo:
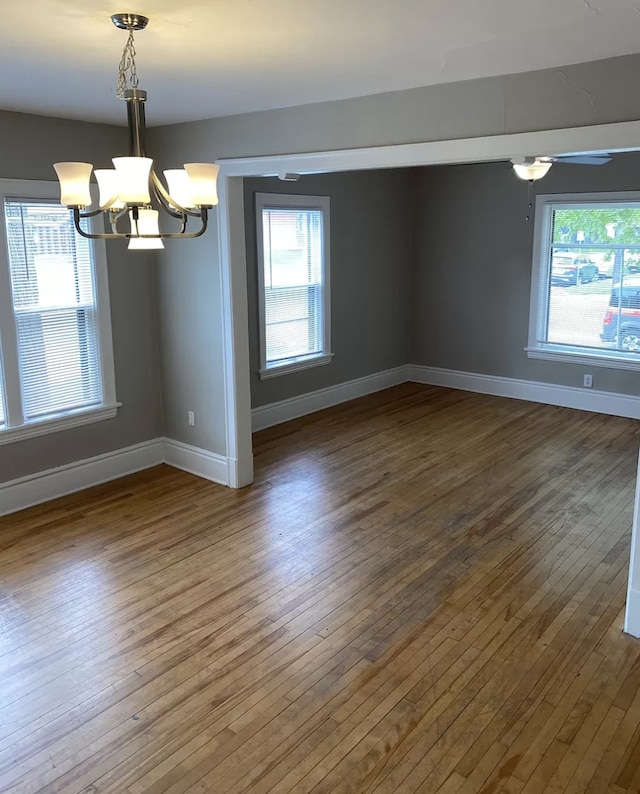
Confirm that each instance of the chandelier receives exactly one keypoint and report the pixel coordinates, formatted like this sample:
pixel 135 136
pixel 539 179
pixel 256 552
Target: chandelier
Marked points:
pixel 129 191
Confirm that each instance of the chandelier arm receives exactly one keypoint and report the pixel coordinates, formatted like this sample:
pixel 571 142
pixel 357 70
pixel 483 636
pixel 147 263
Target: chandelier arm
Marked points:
pixel 167 204
pixel 114 217
pixel 90 214
pixel 183 234
pixel 204 217
pixel 170 205
pixel 103 208
pixel 77 215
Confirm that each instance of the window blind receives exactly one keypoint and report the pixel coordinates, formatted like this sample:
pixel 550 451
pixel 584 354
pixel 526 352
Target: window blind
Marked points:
pixel 293 305
pixel 55 309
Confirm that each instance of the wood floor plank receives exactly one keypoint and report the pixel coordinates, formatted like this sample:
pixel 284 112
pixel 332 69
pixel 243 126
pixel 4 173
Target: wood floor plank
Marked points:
pixel 423 591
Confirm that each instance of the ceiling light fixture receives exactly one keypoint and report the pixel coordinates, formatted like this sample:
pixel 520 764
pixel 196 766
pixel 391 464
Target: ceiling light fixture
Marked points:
pixel 531 168
pixel 132 187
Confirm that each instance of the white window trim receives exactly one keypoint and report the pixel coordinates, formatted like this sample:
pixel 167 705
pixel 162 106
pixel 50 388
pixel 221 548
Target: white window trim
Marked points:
pixel 611 359
pixel 292 201
pixel 32 189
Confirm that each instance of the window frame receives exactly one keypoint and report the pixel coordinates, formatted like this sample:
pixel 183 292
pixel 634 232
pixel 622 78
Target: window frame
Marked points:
pixel 294 202
pixel 541 276
pixel 16 428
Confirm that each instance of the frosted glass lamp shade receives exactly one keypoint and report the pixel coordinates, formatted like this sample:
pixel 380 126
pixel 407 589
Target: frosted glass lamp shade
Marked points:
pixel 203 178
pixel 108 184
pixel 74 183
pixel 147 224
pixel 180 189
pixel 532 171
pixel 133 179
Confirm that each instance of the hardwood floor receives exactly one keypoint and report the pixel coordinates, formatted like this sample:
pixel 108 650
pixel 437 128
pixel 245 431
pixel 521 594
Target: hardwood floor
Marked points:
pixel 423 592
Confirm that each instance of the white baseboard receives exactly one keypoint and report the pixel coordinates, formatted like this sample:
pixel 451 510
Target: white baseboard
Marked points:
pixel 50 484
pixel 196 461
pixel 533 391
pixel 285 410
pixel 240 472
pixel 632 618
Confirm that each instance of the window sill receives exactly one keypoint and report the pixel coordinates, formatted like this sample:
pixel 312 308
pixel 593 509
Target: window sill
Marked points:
pixel 610 360
pixel 64 422
pixel 296 366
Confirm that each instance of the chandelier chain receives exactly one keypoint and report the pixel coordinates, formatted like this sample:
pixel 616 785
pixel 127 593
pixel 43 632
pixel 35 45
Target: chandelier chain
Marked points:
pixel 127 65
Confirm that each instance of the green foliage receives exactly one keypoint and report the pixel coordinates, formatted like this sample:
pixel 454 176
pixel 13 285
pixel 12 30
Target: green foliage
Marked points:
pixel 598 225
pixel 602 225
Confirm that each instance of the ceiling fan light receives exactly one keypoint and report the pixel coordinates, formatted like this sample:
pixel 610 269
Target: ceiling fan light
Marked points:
pixel 203 178
pixel 74 183
pixel 180 188
pixel 108 185
pixel 147 224
pixel 133 179
pixel 532 171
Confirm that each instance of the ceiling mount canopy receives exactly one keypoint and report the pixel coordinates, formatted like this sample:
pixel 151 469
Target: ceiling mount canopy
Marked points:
pixel 132 191
pixel 130 21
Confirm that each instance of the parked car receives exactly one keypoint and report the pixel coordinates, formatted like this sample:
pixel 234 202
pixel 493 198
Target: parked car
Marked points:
pixel 621 324
pixel 567 269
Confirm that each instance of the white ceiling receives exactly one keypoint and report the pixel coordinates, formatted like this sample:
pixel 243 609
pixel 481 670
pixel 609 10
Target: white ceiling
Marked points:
pixel 205 58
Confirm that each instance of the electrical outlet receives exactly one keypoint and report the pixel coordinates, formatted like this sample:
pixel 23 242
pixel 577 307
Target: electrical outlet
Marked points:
pixel 587 380
pixel 192 419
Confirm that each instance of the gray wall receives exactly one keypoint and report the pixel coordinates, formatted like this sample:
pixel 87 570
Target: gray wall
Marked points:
pixel 191 356
pixel 371 252
pixel 472 275
pixel 28 147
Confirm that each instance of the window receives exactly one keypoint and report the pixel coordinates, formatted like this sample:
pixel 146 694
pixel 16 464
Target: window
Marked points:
pixel 585 299
pixel 293 282
pixel 56 359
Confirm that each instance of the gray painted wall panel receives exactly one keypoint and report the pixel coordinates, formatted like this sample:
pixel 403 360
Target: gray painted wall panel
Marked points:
pixel 28 147
pixel 192 364
pixel 371 251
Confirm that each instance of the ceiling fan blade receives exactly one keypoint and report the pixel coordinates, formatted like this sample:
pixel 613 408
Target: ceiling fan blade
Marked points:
pixel 585 159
